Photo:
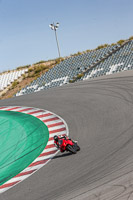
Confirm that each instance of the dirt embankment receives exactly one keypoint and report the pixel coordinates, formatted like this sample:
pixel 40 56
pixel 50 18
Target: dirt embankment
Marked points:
pixel 34 71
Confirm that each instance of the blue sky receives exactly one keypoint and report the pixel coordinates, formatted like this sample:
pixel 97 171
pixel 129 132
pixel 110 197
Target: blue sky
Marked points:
pixel 25 36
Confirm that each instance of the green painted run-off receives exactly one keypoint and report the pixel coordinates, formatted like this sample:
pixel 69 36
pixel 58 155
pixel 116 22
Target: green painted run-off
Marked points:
pixel 22 138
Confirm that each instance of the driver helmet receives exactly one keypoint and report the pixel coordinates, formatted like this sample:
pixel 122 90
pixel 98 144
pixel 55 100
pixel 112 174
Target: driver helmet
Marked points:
pixel 56 138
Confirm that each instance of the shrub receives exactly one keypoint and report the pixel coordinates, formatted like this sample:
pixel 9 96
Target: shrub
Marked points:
pixel 34 79
pixel 105 45
pixel 88 50
pixel 79 53
pixel 31 75
pixel 41 61
pixel 14 84
pixel 23 75
pixel 113 44
pixel 3 94
pixel 80 75
pixel 46 70
pixel 22 67
pixel 40 68
pixel 71 81
pixel 57 61
pixel 101 46
pixel 30 70
pixel 120 42
pixel 131 38
pixel 37 70
pixel 43 67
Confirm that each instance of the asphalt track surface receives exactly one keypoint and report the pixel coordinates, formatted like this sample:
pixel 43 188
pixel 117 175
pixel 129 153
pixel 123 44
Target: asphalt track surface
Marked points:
pixel 99 114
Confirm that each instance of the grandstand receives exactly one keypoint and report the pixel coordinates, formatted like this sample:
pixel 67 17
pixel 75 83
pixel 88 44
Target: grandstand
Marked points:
pixel 105 61
pixel 9 77
pixel 118 61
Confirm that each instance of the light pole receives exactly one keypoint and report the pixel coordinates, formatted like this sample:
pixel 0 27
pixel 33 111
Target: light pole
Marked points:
pixel 55 27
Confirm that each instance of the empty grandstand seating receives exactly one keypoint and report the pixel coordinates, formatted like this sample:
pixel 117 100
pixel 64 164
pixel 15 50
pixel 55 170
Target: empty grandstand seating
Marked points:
pixel 119 61
pixel 8 77
pixel 92 64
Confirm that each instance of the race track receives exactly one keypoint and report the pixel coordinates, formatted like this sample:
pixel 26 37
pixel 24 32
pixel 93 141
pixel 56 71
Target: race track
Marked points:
pixel 99 114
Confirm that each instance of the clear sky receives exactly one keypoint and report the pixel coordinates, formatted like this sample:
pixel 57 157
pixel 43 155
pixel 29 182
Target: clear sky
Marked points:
pixel 25 36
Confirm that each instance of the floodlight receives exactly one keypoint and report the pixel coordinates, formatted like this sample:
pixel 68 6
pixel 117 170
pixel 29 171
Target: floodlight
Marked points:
pixel 55 27
pixel 51 26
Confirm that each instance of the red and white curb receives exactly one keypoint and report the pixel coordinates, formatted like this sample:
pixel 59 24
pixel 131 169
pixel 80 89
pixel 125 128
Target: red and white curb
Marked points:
pixel 56 126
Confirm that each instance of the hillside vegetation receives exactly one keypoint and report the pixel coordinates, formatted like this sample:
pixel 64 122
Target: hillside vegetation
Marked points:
pixel 34 71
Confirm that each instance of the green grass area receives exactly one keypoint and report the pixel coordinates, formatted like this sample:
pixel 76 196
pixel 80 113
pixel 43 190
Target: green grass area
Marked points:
pixel 22 138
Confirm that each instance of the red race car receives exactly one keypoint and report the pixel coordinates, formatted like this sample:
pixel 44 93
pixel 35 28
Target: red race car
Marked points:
pixel 64 143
